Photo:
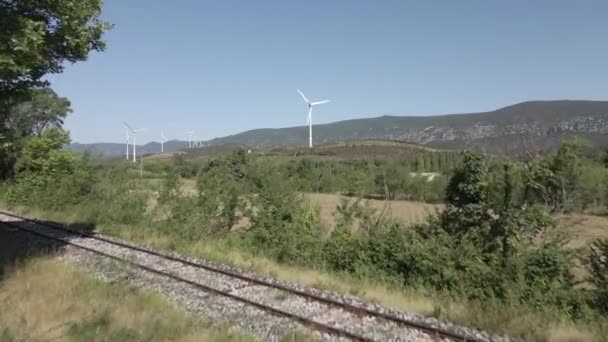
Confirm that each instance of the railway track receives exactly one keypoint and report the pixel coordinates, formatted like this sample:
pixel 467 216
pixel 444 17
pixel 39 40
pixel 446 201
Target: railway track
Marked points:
pixel 61 233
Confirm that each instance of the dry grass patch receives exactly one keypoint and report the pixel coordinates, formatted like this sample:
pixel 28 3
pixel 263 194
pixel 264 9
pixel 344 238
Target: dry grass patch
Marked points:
pixel 583 229
pixel 46 300
pixel 407 212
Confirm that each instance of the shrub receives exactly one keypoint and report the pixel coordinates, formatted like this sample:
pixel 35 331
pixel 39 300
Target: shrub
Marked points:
pixel 596 263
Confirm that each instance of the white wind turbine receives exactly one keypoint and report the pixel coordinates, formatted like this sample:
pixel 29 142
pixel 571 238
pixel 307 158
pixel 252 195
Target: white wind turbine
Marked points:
pixel 134 131
pixel 127 150
pixel 190 135
pixel 163 140
pixel 310 105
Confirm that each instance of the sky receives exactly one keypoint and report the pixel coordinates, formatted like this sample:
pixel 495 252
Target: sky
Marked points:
pixel 222 67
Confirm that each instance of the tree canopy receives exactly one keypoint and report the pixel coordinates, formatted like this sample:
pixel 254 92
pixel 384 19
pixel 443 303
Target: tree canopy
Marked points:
pixel 38 36
pixel 45 109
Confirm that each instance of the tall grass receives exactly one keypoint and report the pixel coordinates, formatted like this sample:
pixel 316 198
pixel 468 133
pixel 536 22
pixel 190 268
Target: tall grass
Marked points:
pixel 45 300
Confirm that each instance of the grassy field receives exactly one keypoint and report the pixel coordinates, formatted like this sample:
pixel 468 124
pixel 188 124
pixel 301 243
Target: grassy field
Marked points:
pixel 53 301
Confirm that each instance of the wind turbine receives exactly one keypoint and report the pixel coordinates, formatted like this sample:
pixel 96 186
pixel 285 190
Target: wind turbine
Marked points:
pixel 163 140
pixel 310 105
pixel 134 131
pixel 190 135
pixel 127 150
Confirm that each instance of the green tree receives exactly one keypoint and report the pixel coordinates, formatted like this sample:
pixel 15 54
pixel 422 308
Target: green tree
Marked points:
pixel 566 174
pixel 38 37
pixel 44 156
pixel 467 208
pixel 46 174
pixel 45 109
pixel 468 185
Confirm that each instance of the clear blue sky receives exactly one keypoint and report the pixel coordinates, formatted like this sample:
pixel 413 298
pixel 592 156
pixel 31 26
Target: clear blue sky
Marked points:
pixel 222 67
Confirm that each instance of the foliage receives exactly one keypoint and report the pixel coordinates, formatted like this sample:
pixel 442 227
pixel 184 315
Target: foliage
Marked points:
pixel 183 167
pixel 43 156
pixel 280 226
pixel 363 178
pixel 556 180
pixel 43 164
pixel 44 109
pixel 597 266
pixel 484 247
pixel 467 210
pixel 38 37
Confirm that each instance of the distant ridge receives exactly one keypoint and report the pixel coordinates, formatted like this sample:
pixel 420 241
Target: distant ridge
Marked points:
pixel 542 124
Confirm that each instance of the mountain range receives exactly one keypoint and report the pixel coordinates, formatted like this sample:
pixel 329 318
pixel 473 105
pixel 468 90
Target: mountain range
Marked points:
pixel 541 125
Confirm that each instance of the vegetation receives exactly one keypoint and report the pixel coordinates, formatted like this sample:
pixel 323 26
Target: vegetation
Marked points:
pixel 53 301
pixel 39 37
pixel 491 247
pixel 36 39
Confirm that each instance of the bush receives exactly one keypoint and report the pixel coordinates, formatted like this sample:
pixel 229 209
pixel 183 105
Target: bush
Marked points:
pixel 597 266
pixel 48 177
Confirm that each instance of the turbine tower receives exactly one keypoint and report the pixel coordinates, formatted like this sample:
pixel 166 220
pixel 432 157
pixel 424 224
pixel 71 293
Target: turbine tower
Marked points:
pixel 163 140
pixel 127 150
pixel 310 105
pixel 190 135
pixel 134 131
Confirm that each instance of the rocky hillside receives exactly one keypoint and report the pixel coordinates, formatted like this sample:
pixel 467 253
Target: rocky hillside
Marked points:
pixel 538 124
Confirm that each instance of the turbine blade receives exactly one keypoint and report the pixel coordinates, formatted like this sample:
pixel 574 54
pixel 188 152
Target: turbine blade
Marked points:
pixel 128 126
pixel 319 102
pixel 304 97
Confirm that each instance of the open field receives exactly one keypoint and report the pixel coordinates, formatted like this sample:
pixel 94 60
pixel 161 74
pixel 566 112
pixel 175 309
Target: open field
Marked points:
pixel 408 212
